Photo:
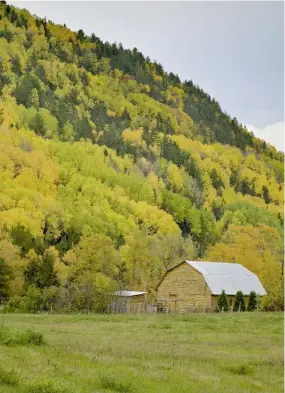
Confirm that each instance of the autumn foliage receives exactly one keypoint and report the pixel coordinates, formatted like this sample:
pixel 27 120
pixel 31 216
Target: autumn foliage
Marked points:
pixel 113 170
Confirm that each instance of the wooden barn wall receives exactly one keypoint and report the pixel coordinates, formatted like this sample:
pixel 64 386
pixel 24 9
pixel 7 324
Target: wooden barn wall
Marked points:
pixel 231 300
pixel 188 286
pixel 137 304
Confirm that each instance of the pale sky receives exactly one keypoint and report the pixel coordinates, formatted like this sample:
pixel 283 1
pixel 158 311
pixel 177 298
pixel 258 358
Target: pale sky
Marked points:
pixel 233 50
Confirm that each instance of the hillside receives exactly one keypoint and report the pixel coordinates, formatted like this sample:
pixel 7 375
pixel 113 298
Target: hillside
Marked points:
pixel 112 170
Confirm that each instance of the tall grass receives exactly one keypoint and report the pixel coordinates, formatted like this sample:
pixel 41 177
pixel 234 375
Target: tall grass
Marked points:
pixel 45 385
pixel 229 353
pixel 8 377
pixel 25 337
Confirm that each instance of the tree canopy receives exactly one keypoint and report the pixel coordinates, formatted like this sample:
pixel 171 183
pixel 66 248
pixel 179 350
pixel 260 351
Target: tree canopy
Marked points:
pixel 112 170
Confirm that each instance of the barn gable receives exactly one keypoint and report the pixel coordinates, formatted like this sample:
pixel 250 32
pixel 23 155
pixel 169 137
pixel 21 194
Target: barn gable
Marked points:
pixel 182 289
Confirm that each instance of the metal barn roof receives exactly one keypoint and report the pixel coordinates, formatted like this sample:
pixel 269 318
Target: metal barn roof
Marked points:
pixel 231 277
pixel 129 293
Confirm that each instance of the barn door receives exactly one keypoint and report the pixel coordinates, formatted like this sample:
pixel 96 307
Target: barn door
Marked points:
pixel 172 305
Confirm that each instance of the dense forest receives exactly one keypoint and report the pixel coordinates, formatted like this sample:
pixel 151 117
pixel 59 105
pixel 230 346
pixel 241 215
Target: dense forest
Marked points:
pixel 113 170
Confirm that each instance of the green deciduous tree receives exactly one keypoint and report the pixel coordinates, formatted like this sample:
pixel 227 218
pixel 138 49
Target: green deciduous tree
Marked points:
pixel 173 163
pixel 33 99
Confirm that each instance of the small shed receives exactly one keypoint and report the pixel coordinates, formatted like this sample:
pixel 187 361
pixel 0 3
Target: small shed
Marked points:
pixel 133 302
pixel 195 286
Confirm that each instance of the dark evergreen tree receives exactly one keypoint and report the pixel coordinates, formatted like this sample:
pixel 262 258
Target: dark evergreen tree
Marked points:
pixel 5 277
pixel 223 303
pixel 80 35
pixel 171 152
pixel 265 194
pixel 239 302
pixel 23 238
pixel 216 180
pixel 252 302
pixel 40 272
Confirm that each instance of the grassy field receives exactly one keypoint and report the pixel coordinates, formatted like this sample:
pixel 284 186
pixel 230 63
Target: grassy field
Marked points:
pixel 219 353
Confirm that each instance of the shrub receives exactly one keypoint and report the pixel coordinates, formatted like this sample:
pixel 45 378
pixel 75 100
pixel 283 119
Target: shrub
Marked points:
pixel 239 302
pixel 243 369
pixel 223 303
pixel 271 302
pixel 33 301
pixel 252 302
pixel 27 337
pixel 8 377
pixel 15 304
pixel 31 337
pixel 111 383
pixel 45 386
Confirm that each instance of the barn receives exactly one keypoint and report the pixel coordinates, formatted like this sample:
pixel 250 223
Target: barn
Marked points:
pixel 133 302
pixel 195 286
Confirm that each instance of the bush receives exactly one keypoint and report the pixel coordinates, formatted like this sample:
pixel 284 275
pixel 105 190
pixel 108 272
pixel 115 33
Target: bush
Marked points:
pixel 252 302
pixel 31 337
pixel 27 337
pixel 271 302
pixel 8 377
pixel 15 304
pixel 243 369
pixel 115 385
pixel 35 300
pixel 239 302
pixel 223 303
pixel 45 386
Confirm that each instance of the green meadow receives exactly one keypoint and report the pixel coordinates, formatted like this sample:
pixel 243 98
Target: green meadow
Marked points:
pixel 217 353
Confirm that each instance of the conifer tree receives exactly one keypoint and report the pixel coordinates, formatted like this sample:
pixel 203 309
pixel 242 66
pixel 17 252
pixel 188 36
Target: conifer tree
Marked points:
pixel 252 302
pixel 40 272
pixel 5 276
pixel 239 302
pixel 33 99
pixel 223 303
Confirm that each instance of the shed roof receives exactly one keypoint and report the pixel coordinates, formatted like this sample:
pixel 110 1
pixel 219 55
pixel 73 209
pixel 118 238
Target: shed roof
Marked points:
pixel 230 277
pixel 129 293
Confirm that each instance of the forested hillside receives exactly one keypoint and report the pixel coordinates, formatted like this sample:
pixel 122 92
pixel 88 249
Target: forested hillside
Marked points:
pixel 113 170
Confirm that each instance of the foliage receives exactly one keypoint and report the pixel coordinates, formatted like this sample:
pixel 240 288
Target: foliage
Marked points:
pixel 260 249
pixel 112 170
pixel 271 302
pixel 252 302
pixel 40 272
pixel 26 337
pixel 239 304
pixel 223 303
pixel 8 377
pixel 44 385
pixel 114 385
pixel 5 276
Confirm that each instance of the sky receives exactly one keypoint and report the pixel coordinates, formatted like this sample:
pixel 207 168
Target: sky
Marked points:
pixel 233 50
